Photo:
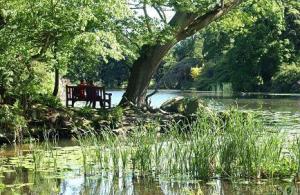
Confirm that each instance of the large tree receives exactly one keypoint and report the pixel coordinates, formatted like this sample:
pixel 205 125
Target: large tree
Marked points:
pixel 190 17
pixel 52 31
pixel 43 34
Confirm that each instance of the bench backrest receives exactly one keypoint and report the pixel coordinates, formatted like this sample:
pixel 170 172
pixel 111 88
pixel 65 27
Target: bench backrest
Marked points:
pixel 70 92
pixel 91 92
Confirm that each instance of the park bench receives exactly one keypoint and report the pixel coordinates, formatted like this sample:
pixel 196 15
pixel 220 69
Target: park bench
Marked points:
pixel 92 94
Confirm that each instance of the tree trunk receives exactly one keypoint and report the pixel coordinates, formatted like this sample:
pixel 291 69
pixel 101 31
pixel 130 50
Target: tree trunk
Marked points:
pixel 185 25
pixel 142 71
pixel 56 82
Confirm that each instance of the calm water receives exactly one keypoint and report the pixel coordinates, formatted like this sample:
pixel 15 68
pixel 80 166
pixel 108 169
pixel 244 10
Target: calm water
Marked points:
pixel 65 174
pixel 278 110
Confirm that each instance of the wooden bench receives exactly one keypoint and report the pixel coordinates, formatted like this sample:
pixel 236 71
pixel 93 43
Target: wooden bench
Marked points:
pixel 92 94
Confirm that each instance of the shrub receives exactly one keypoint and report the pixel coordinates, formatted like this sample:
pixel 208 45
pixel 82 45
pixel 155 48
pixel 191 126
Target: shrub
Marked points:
pixel 12 122
pixel 86 112
pixel 287 80
pixel 114 116
pixel 47 100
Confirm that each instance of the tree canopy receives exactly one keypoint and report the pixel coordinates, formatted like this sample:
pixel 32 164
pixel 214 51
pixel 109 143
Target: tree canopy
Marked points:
pixel 248 45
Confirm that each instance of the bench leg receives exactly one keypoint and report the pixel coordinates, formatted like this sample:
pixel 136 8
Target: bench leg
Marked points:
pixel 101 104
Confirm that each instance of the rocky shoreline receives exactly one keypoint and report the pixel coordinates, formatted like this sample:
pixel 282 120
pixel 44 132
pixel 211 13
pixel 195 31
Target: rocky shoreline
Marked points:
pixel 45 122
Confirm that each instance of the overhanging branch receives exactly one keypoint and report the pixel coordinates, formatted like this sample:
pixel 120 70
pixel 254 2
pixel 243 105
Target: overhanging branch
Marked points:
pixel 204 20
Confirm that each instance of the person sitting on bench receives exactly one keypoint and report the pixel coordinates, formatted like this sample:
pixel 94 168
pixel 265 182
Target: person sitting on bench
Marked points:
pixel 81 89
pixel 90 94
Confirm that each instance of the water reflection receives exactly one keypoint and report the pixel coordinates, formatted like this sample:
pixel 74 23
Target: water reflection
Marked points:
pixel 107 183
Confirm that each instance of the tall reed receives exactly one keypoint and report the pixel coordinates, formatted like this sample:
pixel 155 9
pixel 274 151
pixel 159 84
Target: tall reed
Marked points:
pixel 231 144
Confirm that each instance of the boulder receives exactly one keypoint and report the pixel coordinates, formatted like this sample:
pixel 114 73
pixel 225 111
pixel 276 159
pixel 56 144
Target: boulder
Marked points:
pixel 183 105
pixel 173 105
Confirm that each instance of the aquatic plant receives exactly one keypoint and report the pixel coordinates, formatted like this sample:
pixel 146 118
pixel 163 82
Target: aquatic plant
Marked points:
pixel 231 144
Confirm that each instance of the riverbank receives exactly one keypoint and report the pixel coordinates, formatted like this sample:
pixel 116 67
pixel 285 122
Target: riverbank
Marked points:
pixel 48 117
pixel 42 121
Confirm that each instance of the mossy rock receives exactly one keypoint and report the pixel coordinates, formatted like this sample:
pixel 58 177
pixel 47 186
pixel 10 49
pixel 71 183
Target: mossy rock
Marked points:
pixel 183 105
pixel 173 105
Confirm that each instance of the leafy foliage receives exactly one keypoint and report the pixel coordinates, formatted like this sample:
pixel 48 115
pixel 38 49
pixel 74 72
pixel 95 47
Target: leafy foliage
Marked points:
pixel 249 47
pixel 38 37
pixel 47 100
pixel 287 79
pixel 12 121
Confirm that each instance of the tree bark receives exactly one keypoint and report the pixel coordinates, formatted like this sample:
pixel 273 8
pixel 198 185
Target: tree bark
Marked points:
pixel 56 82
pixel 142 71
pixel 145 66
pixel 186 25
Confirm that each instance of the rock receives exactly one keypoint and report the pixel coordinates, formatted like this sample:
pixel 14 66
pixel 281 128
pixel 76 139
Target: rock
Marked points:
pixel 181 105
pixel 193 105
pixel 173 105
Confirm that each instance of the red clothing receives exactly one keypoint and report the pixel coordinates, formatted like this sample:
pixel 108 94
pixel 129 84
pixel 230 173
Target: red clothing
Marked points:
pixel 82 90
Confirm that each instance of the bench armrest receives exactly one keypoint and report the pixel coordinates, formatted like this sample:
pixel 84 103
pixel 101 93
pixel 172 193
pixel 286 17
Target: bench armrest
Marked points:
pixel 107 95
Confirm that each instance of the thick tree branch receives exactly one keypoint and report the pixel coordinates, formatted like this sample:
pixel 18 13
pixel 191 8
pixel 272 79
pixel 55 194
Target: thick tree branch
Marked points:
pixel 181 21
pixel 202 21
pixel 136 8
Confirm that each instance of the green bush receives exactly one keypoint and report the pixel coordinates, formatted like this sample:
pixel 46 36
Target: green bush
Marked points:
pixel 12 121
pixel 287 80
pixel 47 100
pixel 113 116
pixel 102 117
pixel 86 112
pixel 116 114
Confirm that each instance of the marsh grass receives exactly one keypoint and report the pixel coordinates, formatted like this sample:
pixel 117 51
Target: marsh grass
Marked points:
pixel 232 144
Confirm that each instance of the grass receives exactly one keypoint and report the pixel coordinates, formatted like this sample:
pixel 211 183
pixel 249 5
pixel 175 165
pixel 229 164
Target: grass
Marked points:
pixel 232 145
